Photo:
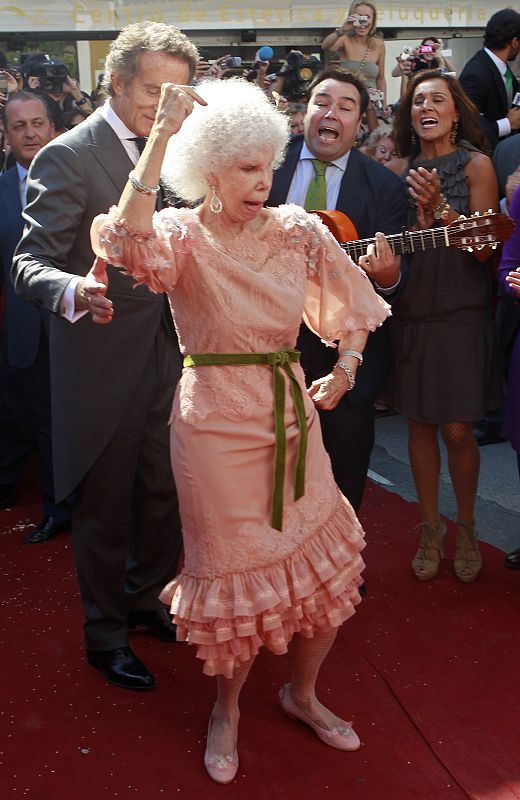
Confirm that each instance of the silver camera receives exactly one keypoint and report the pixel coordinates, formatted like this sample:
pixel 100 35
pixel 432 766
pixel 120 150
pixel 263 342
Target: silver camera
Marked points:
pixel 359 20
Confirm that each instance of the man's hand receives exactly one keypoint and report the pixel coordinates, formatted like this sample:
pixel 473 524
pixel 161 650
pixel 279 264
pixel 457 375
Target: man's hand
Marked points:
pixel 90 294
pixel 513 115
pixel 513 280
pixel 380 263
pixel 512 182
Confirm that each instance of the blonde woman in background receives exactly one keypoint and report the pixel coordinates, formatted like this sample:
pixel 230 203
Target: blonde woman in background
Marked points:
pixel 361 51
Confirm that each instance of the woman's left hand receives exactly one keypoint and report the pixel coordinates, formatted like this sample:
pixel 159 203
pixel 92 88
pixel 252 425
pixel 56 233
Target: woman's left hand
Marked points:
pixel 513 280
pixel 328 391
pixel 425 189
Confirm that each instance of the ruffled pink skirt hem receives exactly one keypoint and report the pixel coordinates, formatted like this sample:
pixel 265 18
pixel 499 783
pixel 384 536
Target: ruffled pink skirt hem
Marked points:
pixel 228 618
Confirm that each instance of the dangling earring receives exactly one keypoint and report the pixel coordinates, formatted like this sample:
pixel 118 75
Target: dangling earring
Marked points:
pixel 413 137
pixel 454 132
pixel 215 203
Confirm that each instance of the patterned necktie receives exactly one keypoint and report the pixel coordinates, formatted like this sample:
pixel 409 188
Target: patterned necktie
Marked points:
pixel 316 197
pixel 508 77
pixel 140 143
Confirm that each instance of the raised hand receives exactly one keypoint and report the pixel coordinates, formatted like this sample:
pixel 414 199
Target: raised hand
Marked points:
pixel 175 104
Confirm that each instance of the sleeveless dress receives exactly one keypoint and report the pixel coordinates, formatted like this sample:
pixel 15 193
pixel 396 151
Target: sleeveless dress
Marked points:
pixel 244 583
pixel 368 71
pixel 444 355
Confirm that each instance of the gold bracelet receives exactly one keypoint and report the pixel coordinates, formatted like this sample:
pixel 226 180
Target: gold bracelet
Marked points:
pixel 441 209
pixel 141 187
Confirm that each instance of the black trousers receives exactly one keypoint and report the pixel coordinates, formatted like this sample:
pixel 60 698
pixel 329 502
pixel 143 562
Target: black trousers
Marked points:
pixel 126 529
pixel 348 436
pixel 25 423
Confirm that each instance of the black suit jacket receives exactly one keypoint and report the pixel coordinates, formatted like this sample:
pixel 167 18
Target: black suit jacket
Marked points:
pixel 483 83
pixel 375 200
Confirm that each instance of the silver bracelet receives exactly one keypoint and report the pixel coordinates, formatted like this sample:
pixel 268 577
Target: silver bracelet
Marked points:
pixel 141 187
pixel 348 372
pixel 353 353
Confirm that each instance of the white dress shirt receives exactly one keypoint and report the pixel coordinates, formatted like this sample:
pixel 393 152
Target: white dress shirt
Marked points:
pixel 504 126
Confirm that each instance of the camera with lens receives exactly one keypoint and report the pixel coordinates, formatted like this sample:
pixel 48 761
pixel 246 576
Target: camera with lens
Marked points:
pixel 231 62
pixel 417 64
pixel 298 74
pixel 359 20
pixel 51 74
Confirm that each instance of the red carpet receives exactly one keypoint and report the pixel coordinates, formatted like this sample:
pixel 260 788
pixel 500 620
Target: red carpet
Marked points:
pixel 428 672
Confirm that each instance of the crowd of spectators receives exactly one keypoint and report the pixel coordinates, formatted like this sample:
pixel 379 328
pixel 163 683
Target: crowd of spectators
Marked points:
pixel 355 46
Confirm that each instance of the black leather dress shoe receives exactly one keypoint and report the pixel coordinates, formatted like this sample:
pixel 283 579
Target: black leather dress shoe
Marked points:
pixel 513 559
pixel 45 531
pixel 122 668
pixel 157 621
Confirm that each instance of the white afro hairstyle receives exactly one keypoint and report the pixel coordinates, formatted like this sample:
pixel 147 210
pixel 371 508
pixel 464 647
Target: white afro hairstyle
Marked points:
pixel 238 121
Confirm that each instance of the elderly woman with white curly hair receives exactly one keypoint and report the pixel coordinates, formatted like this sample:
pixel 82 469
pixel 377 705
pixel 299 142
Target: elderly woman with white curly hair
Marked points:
pixel 272 549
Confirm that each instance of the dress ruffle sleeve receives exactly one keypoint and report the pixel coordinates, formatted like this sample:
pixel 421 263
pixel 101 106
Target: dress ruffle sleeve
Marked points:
pixel 152 257
pixel 339 296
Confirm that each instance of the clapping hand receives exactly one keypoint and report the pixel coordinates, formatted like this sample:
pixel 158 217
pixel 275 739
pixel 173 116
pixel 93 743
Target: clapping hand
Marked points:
pixel 425 189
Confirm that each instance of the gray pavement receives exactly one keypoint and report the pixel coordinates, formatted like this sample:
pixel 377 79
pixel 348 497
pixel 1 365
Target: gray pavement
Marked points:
pixel 498 503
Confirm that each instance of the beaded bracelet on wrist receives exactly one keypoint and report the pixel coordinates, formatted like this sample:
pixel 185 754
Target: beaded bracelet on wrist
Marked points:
pixel 141 187
pixel 348 372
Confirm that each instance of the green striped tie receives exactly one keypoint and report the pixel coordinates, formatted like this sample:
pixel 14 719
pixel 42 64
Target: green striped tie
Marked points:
pixel 316 197
pixel 509 84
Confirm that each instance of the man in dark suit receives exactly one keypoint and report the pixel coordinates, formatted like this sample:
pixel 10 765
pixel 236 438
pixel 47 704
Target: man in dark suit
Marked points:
pixel 374 199
pixel 488 80
pixel 112 384
pixel 25 399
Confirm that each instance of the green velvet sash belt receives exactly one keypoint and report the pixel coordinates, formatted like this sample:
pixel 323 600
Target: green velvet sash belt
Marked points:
pixel 278 361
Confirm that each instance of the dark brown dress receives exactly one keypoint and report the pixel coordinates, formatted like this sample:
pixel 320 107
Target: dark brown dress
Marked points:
pixel 444 357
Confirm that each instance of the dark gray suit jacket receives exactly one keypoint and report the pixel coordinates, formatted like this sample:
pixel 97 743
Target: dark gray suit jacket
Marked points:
pixel 375 200
pixel 95 369
pixel 23 321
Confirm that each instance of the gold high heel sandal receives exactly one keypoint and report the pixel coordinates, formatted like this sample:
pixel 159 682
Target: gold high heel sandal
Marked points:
pixel 431 549
pixel 468 561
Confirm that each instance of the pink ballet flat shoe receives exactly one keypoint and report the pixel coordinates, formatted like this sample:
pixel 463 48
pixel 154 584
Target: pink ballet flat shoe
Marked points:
pixel 342 737
pixel 221 768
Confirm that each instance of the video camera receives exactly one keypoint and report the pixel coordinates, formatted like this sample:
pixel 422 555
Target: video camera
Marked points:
pixel 298 74
pixel 51 74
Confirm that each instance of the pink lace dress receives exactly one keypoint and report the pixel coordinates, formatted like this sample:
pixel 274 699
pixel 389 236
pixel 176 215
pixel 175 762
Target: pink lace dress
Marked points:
pixel 244 583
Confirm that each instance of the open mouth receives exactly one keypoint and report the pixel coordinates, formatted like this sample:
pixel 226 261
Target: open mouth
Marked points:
pixel 429 122
pixel 249 204
pixel 328 134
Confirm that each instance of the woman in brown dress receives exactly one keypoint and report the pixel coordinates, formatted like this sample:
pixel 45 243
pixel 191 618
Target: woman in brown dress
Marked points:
pixel 444 374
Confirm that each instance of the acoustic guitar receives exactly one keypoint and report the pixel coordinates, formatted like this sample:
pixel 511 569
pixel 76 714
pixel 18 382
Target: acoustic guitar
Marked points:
pixel 466 233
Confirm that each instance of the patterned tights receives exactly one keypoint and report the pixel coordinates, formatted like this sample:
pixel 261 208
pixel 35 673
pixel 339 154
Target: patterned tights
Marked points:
pixel 463 465
pixel 308 656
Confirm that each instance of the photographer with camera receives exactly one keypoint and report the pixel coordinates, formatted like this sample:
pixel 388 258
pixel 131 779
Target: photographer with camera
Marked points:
pixel 429 54
pixel 51 77
pixel 362 52
pixel 295 76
